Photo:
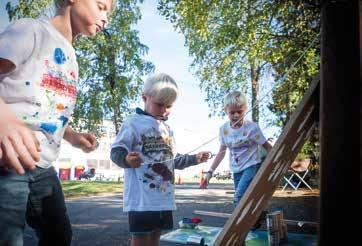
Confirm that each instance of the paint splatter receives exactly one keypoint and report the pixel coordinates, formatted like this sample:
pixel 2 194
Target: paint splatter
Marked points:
pixel 27 83
pixel 54 83
pixel 64 120
pixel 48 127
pixel 148 176
pixel 60 106
pixel 59 56
pixel 163 171
pixel 72 73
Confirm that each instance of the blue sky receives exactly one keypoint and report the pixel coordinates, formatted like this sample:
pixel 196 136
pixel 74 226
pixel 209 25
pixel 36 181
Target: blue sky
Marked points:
pixel 189 118
pixel 3 15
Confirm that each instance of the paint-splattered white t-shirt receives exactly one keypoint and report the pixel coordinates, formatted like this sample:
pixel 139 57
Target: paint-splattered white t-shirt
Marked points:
pixel 243 144
pixel 41 91
pixel 151 186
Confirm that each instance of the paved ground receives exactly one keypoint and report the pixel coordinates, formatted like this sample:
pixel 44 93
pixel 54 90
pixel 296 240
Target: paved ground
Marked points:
pixel 100 220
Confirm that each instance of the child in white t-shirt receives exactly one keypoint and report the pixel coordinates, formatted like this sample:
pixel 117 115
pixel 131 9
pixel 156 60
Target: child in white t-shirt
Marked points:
pixel 38 89
pixel 243 139
pixel 144 147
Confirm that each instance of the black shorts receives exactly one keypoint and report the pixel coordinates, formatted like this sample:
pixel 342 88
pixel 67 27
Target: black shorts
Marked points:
pixel 145 222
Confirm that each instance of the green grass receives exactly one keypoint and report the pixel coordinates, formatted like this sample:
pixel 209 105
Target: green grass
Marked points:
pixel 189 180
pixel 73 189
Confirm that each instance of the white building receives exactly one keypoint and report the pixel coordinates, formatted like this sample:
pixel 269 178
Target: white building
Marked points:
pixel 71 158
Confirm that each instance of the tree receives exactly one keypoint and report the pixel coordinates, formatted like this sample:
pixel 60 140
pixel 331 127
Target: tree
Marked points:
pixel 295 49
pixel 223 38
pixel 110 64
pixel 234 41
pixel 111 68
pixel 30 8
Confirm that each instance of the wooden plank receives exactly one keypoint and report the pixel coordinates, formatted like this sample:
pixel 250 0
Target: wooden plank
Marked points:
pixel 213 214
pixel 277 162
pixel 299 223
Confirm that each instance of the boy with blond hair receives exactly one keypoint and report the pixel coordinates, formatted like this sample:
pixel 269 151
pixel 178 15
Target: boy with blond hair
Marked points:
pixel 242 137
pixel 144 147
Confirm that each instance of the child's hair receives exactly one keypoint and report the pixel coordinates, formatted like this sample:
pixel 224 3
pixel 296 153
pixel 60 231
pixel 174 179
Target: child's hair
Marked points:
pixel 61 3
pixel 161 86
pixel 56 5
pixel 235 98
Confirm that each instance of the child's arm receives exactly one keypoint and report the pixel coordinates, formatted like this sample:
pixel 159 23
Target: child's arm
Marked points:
pixel 267 146
pixel 19 148
pixel 118 156
pixel 134 159
pixel 122 158
pixel 121 151
pixel 183 161
pixel 218 158
pixel 85 141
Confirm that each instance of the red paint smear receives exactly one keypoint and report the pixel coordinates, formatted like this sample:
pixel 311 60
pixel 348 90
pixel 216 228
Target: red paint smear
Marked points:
pixel 55 84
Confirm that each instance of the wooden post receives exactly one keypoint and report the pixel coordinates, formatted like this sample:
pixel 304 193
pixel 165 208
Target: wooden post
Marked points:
pixel 338 128
pixel 360 103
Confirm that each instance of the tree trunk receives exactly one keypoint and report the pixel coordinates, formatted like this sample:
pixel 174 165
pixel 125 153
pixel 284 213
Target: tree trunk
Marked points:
pixel 254 75
pixel 117 118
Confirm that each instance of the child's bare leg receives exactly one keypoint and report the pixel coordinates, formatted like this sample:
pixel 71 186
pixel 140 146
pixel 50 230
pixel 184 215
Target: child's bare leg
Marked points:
pixel 141 240
pixel 156 237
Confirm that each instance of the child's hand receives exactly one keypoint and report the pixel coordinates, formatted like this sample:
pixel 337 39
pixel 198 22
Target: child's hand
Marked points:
pixel 203 156
pixel 133 159
pixel 208 177
pixel 85 141
pixel 19 148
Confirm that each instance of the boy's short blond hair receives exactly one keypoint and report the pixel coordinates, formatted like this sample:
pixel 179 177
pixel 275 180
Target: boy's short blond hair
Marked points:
pixel 235 98
pixel 161 86
pixel 62 3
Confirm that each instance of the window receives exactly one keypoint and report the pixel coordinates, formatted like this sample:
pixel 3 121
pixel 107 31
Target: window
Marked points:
pixel 92 163
pixel 104 164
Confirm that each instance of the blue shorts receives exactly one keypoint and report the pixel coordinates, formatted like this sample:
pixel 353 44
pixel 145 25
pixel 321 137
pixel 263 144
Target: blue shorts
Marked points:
pixel 146 222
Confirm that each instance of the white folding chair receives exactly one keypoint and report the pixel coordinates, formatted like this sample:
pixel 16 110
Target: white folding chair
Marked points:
pixel 299 170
